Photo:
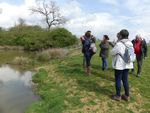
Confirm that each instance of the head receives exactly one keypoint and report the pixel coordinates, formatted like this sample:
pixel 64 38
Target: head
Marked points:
pixel 105 37
pixel 138 37
pixel 88 34
pixel 123 34
pixel 118 34
pixel 89 31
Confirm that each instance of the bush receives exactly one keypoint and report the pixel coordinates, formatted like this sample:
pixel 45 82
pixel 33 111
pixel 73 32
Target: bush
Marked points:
pixel 30 37
pixel 35 38
pixel 52 54
pixel 60 37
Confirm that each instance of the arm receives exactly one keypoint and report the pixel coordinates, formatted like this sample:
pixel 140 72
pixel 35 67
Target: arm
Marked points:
pixel 93 39
pixel 104 46
pixel 145 48
pixel 115 50
pixel 82 39
pixel 112 44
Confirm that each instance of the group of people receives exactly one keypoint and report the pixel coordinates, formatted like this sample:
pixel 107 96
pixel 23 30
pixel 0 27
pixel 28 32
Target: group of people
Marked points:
pixel 124 52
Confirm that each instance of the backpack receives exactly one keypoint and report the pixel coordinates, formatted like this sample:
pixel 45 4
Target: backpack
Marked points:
pixel 93 48
pixel 89 46
pixel 129 55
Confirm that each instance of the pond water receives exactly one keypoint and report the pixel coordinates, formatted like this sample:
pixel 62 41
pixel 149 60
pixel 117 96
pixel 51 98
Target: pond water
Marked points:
pixel 16 93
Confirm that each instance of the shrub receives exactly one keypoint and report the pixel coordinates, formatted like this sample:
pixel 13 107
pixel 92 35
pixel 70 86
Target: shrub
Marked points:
pixel 35 38
pixel 61 37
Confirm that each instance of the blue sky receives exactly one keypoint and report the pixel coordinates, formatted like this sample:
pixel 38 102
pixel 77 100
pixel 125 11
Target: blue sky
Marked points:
pixel 89 6
pixel 93 6
pixel 100 16
pixel 14 2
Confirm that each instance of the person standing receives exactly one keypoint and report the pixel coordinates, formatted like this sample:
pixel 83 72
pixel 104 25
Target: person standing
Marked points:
pixel 121 67
pixel 140 48
pixel 83 38
pixel 87 51
pixel 82 41
pixel 104 46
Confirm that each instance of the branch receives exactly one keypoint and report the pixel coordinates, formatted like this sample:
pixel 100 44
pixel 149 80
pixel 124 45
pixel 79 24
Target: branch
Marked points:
pixel 50 12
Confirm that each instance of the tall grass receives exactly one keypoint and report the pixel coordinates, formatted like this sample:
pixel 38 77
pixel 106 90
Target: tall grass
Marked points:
pixel 21 60
pixel 55 53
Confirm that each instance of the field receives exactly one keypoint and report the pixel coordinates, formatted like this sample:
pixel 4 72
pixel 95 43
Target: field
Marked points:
pixel 64 88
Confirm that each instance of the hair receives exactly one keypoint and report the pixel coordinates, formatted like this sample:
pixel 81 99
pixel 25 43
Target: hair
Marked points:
pixel 88 34
pixel 106 37
pixel 138 36
pixel 89 31
pixel 118 34
pixel 124 34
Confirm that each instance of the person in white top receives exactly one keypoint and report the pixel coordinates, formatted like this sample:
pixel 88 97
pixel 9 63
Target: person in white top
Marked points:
pixel 120 66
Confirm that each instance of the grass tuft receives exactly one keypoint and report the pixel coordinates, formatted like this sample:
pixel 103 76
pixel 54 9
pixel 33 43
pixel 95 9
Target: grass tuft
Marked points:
pixel 21 60
pixel 49 54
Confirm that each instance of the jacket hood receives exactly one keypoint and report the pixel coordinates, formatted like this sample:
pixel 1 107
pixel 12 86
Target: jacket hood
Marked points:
pixel 127 42
pixel 124 40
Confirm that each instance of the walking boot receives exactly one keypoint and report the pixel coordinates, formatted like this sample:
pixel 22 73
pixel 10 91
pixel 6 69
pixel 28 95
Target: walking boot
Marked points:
pixel 88 71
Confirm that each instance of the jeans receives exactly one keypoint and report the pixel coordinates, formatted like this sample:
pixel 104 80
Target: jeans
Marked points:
pixel 84 61
pixel 87 56
pixel 104 64
pixel 121 75
pixel 139 59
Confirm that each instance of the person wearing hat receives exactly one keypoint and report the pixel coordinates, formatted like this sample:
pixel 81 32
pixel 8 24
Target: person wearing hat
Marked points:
pixel 104 46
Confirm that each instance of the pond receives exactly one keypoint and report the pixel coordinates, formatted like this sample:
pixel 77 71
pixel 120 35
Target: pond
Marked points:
pixel 16 93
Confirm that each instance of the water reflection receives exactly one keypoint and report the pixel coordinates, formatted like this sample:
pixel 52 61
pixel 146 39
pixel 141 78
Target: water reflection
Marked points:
pixel 15 90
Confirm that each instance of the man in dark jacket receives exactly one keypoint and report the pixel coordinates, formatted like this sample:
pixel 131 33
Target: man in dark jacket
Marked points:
pixel 140 48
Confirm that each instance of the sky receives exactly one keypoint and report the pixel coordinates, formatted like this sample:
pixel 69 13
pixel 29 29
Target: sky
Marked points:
pixel 99 16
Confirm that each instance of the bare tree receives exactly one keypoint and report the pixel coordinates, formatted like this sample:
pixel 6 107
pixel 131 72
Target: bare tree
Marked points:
pixel 50 11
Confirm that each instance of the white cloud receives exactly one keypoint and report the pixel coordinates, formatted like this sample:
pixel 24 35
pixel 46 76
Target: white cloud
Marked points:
pixel 71 10
pixel 11 13
pixel 1 10
pixel 138 7
pixel 141 15
pixel 99 22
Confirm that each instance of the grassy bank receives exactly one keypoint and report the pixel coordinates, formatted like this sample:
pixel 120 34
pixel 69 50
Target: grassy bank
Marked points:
pixel 64 88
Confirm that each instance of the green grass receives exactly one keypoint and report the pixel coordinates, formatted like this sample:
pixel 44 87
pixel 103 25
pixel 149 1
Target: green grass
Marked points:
pixel 64 88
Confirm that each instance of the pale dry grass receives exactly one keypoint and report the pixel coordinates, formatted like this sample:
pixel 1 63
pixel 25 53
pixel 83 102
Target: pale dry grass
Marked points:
pixel 56 53
pixel 21 60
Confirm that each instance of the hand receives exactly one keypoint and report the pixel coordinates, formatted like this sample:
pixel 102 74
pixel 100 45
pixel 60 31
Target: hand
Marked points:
pixel 145 57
